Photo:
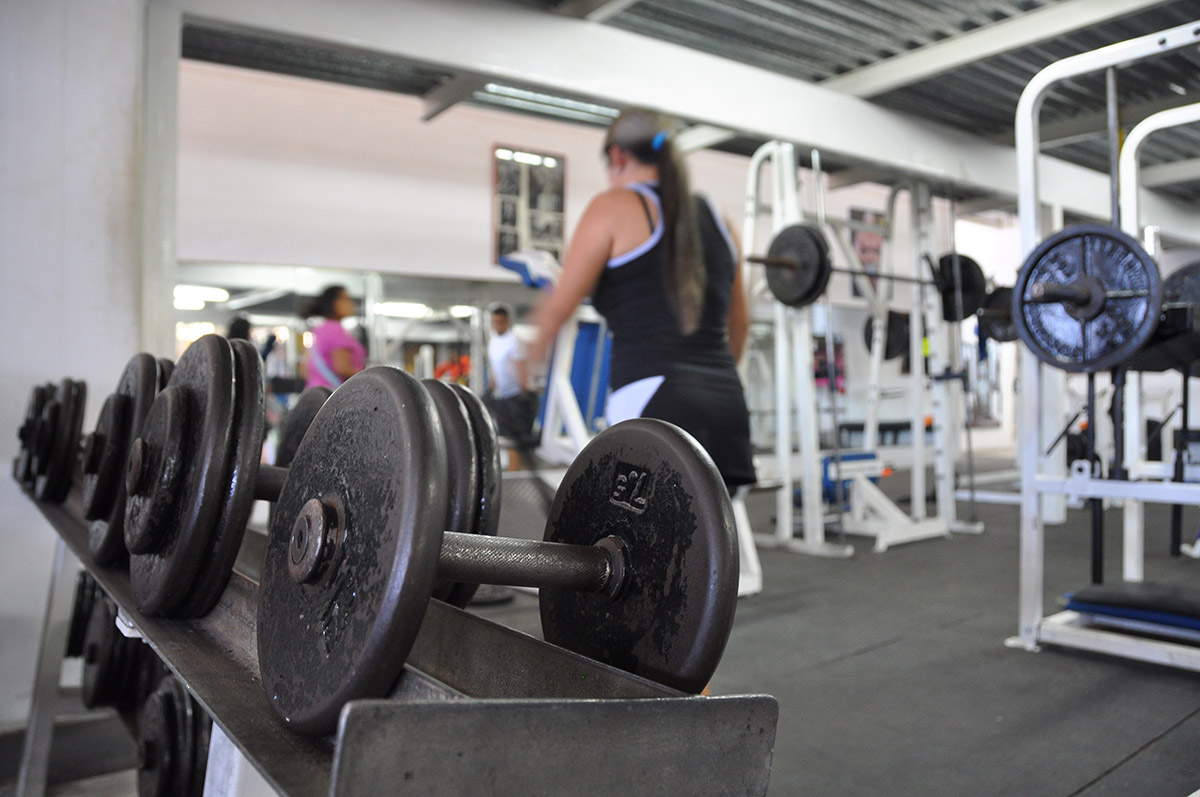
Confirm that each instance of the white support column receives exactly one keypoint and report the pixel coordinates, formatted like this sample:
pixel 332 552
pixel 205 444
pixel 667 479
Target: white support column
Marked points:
pixel 916 350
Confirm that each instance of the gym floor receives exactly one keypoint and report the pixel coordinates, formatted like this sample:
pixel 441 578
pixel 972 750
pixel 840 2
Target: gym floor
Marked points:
pixel 893 678
pixel 892 675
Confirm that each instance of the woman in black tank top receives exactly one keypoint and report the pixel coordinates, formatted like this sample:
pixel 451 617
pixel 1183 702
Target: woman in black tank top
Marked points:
pixel 663 269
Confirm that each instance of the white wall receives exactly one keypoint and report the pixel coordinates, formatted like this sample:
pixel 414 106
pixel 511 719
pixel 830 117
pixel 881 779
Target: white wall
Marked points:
pixel 68 257
pixel 277 169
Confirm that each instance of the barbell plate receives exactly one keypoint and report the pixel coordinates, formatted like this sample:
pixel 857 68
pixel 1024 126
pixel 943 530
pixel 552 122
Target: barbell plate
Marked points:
pixel 375 451
pixel 651 484
pixel 974 286
pixel 162 578
pixel 293 428
pixel 1182 286
pixel 462 475
pixel 55 468
pixel 138 385
pixel 1117 263
pixel 895 342
pixel 995 317
pixel 807 249
pixel 238 487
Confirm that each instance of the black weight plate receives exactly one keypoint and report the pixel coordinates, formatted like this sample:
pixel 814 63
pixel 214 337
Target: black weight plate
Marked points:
pixel 249 425
pixel 26 433
pixel 202 735
pixel 995 317
pixel 295 425
pixel 487 445
pixel 184 730
pixel 804 246
pixel 1118 263
pixel 462 471
pixel 974 287
pixel 81 613
pixel 1182 286
pixel 158 751
pixel 104 489
pixel 162 578
pixel 55 459
pixel 895 337
pixel 165 369
pixel 100 448
pixel 650 484
pixel 375 453
pixel 100 651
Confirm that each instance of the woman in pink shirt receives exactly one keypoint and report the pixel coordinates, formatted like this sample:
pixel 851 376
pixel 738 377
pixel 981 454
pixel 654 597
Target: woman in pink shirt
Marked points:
pixel 335 355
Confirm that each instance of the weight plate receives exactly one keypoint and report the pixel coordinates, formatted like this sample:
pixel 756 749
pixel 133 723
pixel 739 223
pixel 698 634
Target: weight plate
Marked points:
pixel 165 369
pixel 26 434
pixel 121 420
pixel 203 734
pixel 462 474
pixel 1182 286
pixel 995 317
pixel 81 613
pixel 57 442
pixel 1088 254
pixel 158 751
pixel 974 287
pixel 807 249
pixel 295 425
pixel 374 456
pixel 895 337
pixel 184 730
pixel 100 646
pixel 487 444
pixel 651 485
pixel 176 525
pixel 249 425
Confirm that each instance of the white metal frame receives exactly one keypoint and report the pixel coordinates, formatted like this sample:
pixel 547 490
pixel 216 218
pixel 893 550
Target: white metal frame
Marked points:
pixel 1071 629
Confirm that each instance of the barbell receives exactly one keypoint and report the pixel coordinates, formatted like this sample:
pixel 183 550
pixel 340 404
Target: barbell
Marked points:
pixel 798 270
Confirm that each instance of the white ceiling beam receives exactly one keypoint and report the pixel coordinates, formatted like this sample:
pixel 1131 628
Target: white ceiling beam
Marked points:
pixel 450 93
pixel 702 137
pixel 1187 171
pixel 1091 125
pixel 594 10
pixel 1041 24
pixel 856 175
pixel 522 46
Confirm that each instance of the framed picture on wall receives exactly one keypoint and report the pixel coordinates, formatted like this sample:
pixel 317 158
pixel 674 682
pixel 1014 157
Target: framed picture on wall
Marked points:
pixel 868 247
pixel 528 200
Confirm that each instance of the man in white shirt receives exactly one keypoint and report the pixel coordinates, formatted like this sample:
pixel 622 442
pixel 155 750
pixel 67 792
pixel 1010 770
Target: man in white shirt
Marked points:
pixel 508 380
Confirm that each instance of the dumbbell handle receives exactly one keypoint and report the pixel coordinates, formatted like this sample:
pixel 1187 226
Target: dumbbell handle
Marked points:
pixel 512 562
pixel 270 481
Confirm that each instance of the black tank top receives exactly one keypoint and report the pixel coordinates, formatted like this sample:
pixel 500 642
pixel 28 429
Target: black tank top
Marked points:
pixel 631 295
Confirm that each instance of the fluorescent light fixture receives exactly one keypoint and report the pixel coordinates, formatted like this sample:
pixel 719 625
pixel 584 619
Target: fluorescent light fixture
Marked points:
pixel 504 154
pixel 462 311
pixel 527 157
pixel 402 309
pixel 185 302
pixel 522 99
pixel 202 293
pixel 307 338
pixel 549 163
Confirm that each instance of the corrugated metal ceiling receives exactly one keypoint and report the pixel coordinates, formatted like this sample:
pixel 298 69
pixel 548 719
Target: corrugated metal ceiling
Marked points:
pixel 820 40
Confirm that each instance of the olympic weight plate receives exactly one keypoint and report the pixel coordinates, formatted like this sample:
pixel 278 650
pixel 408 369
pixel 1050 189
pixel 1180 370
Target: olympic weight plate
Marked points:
pixel 23 463
pixel 462 474
pixel 56 441
pixel 295 425
pixel 974 286
pixel 1182 286
pixel 804 281
pixel 895 337
pixel 106 452
pixel 186 442
pixel 249 424
pixel 995 317
pixel 487 445
pixel 1100 256
pixel 649 484
pixel 375 459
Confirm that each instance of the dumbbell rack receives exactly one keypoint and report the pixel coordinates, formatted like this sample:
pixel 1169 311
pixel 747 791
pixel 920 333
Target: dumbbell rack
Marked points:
pixel 478 703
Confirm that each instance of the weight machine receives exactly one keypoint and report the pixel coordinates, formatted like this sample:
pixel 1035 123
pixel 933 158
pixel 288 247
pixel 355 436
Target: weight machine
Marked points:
pixel 1118 271
pixel 872 513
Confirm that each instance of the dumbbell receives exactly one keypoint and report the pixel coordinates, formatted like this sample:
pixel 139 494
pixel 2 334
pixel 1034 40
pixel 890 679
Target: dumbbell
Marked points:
pixel 638 567
pixel 118 671
pixel 172 744
pixel 49 436
pixel 106 450
pixel 86 592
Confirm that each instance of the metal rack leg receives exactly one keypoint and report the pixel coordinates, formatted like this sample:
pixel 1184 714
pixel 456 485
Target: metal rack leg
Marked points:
pixel 39 732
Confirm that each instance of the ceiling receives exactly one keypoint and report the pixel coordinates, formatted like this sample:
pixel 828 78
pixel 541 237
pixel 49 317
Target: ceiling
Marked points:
pixel 960 63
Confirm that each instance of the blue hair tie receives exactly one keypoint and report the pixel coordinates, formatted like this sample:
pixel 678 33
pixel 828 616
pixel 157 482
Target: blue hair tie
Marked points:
pixel 659 139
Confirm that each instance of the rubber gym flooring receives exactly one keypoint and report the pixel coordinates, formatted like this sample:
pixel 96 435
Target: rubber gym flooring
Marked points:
pixel 893 678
